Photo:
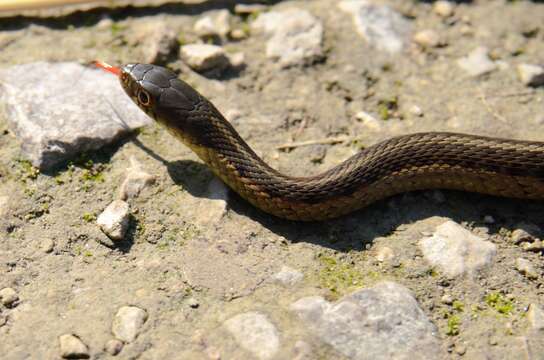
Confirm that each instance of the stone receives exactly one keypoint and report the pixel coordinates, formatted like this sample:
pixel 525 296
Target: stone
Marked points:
pixel 212 208
pixel 216 24
pixel 368 120
pixel 157 41
pixel 9 297
pixel 288 276
pixel 114 220
pixel 477 62
pixel 193 303
pixel 381 322
pixel 525 267
pixel 237 59
pixel 238 34
pixel 113 347
pixel 136 179
pixel 536 246
pixel 531 75
pixel 455 250
pixel 48 246
pixel 415 110
pixel 427 38
pixel 444 8
pixel 446 299
pixel 59 110
pixel 385 253
pixel 71 347
pixel 525 233
pixel 295 36
pixel 535 315
pixel 381 26
pixel 204 57
pixel 128 323
pixel 255 333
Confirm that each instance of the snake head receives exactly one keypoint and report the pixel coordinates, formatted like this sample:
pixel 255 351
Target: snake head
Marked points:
pixel 167 99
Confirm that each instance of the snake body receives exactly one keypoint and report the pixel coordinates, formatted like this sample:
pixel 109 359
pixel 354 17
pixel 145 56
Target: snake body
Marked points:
pixel 434 160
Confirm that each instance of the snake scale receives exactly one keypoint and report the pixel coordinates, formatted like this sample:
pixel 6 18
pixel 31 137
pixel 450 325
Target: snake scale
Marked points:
pixel 433 160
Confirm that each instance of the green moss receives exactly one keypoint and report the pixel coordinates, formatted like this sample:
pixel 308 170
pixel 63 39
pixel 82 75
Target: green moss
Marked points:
pixel 386 107
pixel 499 303
pixel 89 217
pixel 337 276
pixel 458 306
pixel 87 253
pixel 26 170
pixel 454 323
pixel 116 28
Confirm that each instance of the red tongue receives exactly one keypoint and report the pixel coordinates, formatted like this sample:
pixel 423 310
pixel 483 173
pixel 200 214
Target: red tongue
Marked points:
pixel 112 69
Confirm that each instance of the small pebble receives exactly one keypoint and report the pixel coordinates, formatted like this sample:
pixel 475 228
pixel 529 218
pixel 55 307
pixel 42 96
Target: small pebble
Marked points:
pixel 415 110
pixel 444 8
pixel 9 297
pixel 385 253
pixel 128 322
pixel 114 220
pixel 136 180
pixel 233 114
pixel 217 24
pixel 427 38
pixel 192 302
pixel 525 267
pixel 521 235
pixel 71 347
pixel 368 120
pixel 447 299
pixel 531 75
pixel 113 347
pixel 48 245
pixel 237 60
pixel 288 276
pixel 460 349
pixel 536 246
pixel 535 315
pixel 203 57
pixel 493 340
pixel 477 62
pixel 238 34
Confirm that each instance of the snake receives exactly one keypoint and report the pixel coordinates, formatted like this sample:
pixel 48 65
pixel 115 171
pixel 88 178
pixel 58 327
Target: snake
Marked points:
pixel 417 161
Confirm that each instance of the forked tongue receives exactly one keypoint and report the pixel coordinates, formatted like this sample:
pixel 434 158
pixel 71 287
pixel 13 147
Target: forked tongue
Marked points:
pixel 112 69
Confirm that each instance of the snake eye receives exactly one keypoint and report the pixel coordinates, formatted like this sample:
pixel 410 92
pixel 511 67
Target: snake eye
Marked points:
pixel 143 98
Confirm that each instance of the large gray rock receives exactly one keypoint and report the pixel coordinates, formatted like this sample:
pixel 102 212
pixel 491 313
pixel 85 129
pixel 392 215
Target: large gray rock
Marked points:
pixel 381 322
pixel 59 110
pixel 255 333
pixel 295 36
pixel 381 26
pixel 455 250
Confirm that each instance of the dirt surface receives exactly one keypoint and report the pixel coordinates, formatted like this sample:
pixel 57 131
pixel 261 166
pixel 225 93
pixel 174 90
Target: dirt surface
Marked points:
pixel 68 282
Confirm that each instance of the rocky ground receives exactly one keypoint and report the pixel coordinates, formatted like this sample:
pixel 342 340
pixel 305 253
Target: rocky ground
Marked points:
pixel 115 240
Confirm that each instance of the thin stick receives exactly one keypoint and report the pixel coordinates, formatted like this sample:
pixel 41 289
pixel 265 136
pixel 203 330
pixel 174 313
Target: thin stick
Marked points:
pixel 326 141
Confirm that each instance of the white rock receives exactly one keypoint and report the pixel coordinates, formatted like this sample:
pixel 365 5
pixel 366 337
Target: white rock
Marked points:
pixel 71 347
pixel 233 114
pixel 237 59
pixel 48 245
pixel 531 75
pixel 217 24
pixel 9 297
pixel 113 347
pixel 456 250
pixel 288 276
pixel 526 268
pixel 238 34
pixel 415 110
pixel 212 209
pixel 255 333
pixel 114 220
pixel 427 38
pixel 535 315
pixel 446 299
pixel 381 26
pixel 444 8
pixel 203 57
pixel 377 323
pixel 477 62
pixel 136 179
pixel 57 110
pixel 128 323
pixel 368 120
pixel 295 36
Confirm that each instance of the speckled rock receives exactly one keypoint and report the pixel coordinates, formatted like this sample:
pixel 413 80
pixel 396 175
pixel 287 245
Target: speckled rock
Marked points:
pixel 381 322
pixel 255 333
pixel 477 62
pixel 136 179
pixel 55 119
pixel 128 323
pixel 216 24
pixel 9 297
pixel 288 276
pixel 71 347
pixel 204 57
pixel 295 36
pixel 114 220
pixel 526 268
pixel 383 28
pixel 531 75
pixel 455 250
